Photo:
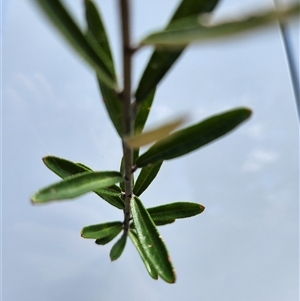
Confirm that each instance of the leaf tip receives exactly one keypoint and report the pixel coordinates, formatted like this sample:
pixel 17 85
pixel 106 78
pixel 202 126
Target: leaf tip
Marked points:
pixel 172 279
pixel 34 200
pixel 81 233
pixel 248 112
pixel 46 158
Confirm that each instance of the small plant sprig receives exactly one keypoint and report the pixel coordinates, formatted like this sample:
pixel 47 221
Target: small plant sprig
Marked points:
pixel 129 111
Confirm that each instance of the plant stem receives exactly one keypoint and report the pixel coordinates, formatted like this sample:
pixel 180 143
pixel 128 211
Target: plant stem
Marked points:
pixel 291 63
pixel 127 113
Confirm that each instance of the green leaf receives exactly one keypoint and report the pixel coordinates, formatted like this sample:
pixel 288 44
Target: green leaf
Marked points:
pixel 145 138
pixel 105 240
pixel 151 242
pixel 192 29
pixel 145 178
pixel 74 186
pixel 157 223
pixel 100 231
pixel 142 112
pixel 97 30
pixel 113 106
pixel 62 20
pixel 118 248
pixel 64 168
pixel 174 211
pixel 189 139
pixel 148 265
pixel 164 222
pixel 122 171
pixel 114 199
pixel 161 61
pixel 97 35
pixel 112 190
pixel 83 166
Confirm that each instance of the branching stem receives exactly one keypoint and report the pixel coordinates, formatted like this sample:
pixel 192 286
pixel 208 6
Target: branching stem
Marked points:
pixel 127 112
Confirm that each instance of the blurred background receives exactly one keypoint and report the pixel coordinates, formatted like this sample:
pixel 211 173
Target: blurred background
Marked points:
pixel 244 246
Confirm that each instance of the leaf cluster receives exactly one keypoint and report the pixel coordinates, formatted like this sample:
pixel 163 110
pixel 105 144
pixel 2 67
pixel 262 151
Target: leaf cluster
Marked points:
pixel 92 44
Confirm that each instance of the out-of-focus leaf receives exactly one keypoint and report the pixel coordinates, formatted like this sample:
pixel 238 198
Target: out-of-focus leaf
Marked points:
pixel 161 61
pixel 174 210
pixel 113 106
pixel 148 265
pixel 65 168
pixel 118 248
pixel 151 242
pixel 148 137
pixel 193 137
pixel 98 38
pixel 145 178
pixel 100 231
pixel 97 30
pixel 105 240
pixel 74 186
pixel 62 20
pixel 142 112
pixel 192 29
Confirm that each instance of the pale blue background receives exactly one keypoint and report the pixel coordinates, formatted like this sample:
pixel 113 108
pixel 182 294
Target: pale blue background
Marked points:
pixel 245 246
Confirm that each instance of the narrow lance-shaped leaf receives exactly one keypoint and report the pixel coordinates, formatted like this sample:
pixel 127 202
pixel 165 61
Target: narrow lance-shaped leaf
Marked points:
pixel 164 222
pixel 101 230
pixel 157 222
pixel 189 139
pixel 153 135
pixel 145 178
pixel 151 242
pixel 97 30
pixel 161 61
pixel 97 33
pixel 142 111
pixel 77 163
pixel 122 171
pixel 112 198
pixel 74 186
pixel 148 265
pixel 118 248
pixel 113 106
pixel 105 240
pixel 64 168
pixel 194 30
pixel 174 211
pixel 62 20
